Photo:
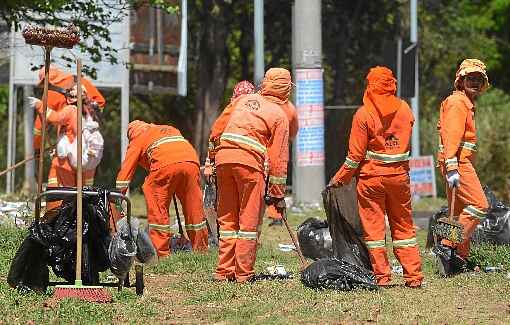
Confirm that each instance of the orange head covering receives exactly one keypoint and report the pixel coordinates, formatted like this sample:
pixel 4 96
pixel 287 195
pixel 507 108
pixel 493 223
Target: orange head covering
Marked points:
pixel 380 91
pixel 469 66
pixel 136 128
pixel 55 75
pixel 242 88
pixel 277 85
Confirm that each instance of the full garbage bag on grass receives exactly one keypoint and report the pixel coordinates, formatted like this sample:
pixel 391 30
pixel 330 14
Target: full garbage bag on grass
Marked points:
pixel 315 239
pixel 337 274
pixel 122 250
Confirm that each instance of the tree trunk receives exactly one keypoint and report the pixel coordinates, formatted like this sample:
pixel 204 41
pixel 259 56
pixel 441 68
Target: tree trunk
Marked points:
pixel 212 71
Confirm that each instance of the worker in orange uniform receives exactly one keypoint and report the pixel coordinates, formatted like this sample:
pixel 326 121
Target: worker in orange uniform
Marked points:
pixel 272 212
pixel 253 147
pixel 59 95
pixel 173 167
pixel 378 156
pixel 457 136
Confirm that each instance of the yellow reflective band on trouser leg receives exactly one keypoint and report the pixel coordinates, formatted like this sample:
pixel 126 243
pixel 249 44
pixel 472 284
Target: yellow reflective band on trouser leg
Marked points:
pixel 122 184
pixel 247 235
pixel 228 234
pixel 52 182
pixel 89 181
pixel 196 226
pixel 474 212
pixel 162 228
pixel 372 244
pixel 405 242
pixel 37 131
pixel 278 180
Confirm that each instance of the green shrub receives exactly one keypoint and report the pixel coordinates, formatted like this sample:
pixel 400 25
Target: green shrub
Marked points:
pixel 490 255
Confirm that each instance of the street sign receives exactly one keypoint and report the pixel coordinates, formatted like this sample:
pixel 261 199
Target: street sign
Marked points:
pixel 423 177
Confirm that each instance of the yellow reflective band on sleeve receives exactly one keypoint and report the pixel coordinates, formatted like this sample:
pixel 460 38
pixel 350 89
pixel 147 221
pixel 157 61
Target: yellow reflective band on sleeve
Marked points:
pixel 385 158
pixel 405 242
pixel 196 226
pixel 157 143
pixel 351 163
pixel 278 180
pixel 162 228
pixel 244 140
pixel 52 181
pixel 474 212
pixel 371 244
pixel 227 234
pixel 468 145
pixel 452 162
pixel 37 131
pixel 247 235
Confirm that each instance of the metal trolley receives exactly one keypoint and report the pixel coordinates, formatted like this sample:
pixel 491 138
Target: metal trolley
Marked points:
pixel 60 193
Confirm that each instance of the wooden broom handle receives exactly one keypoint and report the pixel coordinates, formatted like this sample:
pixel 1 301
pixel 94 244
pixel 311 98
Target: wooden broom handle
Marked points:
pixel 79 178
pixel 452 205
pixel 294 240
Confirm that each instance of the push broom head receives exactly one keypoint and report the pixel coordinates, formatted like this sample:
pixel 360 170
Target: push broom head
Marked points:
pixel 87 293
pixel 51 37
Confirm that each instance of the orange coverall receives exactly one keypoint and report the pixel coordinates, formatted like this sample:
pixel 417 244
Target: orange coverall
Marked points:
pixel 457 134
pixel 59 173
pixel 256 136
pixel 378 155
pixel 173 167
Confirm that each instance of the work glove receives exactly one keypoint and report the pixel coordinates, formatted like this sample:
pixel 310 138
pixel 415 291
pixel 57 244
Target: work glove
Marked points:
pixel 453 178
pixel 334 183
pixel 33 102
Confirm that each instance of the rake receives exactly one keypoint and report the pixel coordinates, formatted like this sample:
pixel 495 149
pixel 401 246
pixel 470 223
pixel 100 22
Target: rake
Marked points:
pixel 447 227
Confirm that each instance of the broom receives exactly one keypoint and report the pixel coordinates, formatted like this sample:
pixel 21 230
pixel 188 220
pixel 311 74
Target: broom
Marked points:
pixel 448 227
pixel 78 290
pixel 48 38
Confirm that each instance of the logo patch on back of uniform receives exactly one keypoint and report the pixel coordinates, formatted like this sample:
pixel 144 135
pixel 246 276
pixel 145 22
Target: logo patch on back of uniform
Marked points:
pixel 252 104
pixel 392 142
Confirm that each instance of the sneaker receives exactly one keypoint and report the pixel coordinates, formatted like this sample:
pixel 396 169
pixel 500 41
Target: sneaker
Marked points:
pixel 276 222
pixel 448 261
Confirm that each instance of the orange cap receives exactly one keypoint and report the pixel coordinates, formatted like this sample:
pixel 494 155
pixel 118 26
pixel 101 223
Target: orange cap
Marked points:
pixel 136 128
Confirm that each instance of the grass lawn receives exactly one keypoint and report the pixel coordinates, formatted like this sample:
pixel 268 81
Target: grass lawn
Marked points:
pixel 179 290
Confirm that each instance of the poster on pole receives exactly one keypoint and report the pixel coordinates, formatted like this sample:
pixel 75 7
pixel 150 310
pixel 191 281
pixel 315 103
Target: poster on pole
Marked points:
pixel 423 177
pixel 310 109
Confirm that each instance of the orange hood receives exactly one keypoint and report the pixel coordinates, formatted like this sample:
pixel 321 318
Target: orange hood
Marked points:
pixel 136 128
pixel 380 91
pixel 277 85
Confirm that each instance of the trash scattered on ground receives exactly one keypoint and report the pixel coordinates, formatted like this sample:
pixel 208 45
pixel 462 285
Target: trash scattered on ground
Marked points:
pixel 276 270
pixel 336 274
pixel 179 244
pixel 314 239
pixel 286 247
pixel 16 213
pixel 397 269
pixel 493 269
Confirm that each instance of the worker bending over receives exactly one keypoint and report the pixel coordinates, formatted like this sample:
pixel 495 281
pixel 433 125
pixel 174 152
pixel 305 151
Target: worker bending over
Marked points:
pixel 172 164
pixel 378 155
pixel 253 149
pixel 457 148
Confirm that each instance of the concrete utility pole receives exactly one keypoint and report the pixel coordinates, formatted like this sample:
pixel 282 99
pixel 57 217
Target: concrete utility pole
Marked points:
pixel 308 168
pixel 124 94
pixel 258 28
pixel 11 135
pixel 28 128
pixel 415 104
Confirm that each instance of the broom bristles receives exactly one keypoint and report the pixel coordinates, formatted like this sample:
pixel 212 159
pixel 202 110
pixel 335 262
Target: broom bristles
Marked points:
pixel 451 230
pixel 90 294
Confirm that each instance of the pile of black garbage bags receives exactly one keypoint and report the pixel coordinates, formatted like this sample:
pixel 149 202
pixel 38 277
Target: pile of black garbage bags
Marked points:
pixel 52 243
pixel 342 260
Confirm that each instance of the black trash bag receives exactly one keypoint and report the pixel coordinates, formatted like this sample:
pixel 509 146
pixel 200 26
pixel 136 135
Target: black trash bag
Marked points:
pixel 29 267
pixel 337 274
pixel 314 239
pixel 494 229
pixel 345 227
pixel 122 250
pixel 145 251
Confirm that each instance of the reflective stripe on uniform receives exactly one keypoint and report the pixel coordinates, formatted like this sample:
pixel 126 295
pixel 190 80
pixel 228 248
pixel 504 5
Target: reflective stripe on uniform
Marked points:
pixel 89 181
pixel 247 235
pixel 228 234
pixel 405 242
pixel 351 163
pixel 371 244
pixel 37 131
pixel 122 184
pixel 474 212
pixel 464 145
pixel 385 158
pixel 162 228
pixel 196 226
pixel 53 181
pixel 452 162
pixel 278 180
pixel 244 140
pixel 157 143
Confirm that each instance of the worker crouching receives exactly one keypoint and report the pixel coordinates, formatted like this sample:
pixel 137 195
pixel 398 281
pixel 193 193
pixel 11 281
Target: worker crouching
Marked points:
pixel 378 154
pixel 173 167
pixel 253 149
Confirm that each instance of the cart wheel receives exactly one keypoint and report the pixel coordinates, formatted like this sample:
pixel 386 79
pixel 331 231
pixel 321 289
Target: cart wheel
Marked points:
pixel 139 279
